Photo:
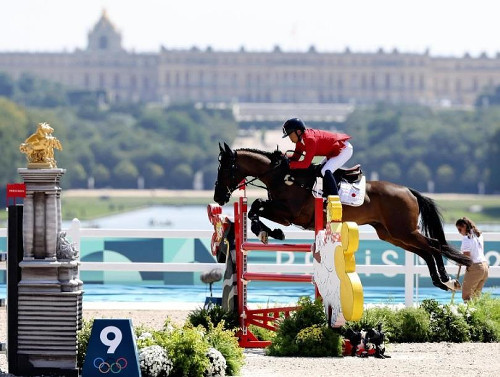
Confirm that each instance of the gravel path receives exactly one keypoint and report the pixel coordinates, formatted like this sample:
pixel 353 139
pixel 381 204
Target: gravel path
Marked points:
pixel 422 359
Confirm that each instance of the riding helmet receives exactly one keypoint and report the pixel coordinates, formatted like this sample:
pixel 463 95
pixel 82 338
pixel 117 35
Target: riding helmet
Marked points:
pixel 292 125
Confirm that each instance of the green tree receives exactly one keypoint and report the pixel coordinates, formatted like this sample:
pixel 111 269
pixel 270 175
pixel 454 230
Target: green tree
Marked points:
pixel 13 131
pixel 101 175
pixel 418 175
pixel 445 177
pixel 494 161
pixel 125 174
pixel 27 83
pixel 6 85
pixel 75 176
pixel 153 173
pixel 181 177
pixel 390 171
pixel 470 178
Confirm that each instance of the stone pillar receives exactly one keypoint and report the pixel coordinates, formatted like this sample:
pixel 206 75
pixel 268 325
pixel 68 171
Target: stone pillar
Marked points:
pixel 39 230
pixel 50 293
pixel 59 211
pixel 51 230
pixel 28 226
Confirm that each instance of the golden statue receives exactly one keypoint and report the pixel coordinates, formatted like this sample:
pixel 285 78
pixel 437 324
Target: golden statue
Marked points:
pixel 39 148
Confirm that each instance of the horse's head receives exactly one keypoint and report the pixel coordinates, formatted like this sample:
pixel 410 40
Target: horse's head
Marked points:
pixel 228 175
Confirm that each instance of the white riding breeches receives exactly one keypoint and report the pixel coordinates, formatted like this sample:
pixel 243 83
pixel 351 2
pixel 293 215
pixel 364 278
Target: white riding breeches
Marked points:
pixel 338 161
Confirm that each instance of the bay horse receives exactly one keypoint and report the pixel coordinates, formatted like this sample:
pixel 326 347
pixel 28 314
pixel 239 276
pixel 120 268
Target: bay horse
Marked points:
pixel 391 209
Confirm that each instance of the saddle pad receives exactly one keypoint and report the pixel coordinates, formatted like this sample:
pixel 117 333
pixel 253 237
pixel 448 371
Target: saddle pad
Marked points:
pixel 352 194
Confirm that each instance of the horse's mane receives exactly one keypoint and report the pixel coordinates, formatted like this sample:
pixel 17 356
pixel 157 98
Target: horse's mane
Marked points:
pixel 275 157
pixel 269 155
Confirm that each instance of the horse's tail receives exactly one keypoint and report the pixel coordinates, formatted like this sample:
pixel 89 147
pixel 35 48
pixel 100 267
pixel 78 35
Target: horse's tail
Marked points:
pixel 432 227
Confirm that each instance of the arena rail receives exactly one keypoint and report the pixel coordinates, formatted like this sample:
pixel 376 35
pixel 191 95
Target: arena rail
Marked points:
pixel 410 268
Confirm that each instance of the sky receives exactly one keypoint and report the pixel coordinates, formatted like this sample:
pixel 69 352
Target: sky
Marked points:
pixel 445 27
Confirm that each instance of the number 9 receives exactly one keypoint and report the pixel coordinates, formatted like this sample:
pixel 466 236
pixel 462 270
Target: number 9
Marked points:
pixel 112 343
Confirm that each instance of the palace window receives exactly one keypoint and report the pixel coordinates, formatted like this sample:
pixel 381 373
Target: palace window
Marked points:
pixel 116 81
pixel 388 81
pixel 475 84
pixel 103 42
pixel 422 82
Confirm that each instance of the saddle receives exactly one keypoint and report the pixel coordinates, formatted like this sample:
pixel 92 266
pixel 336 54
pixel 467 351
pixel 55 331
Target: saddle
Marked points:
pixel 306 178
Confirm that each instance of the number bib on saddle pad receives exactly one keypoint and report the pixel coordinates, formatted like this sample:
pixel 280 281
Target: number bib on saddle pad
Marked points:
pixel 353 194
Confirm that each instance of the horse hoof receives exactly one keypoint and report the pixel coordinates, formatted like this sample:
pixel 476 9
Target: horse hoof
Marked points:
pixel 441 285
pixel 453 285
pixel 263 237
pixel 278 234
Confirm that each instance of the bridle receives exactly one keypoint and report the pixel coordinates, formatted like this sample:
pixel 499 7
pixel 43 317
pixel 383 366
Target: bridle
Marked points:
pixel 232 168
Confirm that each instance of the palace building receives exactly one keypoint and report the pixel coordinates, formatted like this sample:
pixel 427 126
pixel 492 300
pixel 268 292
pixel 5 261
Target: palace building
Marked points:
pixel 242 76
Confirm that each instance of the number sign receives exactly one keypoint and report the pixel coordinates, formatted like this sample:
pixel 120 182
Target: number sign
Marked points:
pixel 111 350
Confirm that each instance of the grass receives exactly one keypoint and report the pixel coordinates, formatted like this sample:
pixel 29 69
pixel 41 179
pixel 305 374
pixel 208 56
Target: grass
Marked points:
pixel 92 208
pixel 482 209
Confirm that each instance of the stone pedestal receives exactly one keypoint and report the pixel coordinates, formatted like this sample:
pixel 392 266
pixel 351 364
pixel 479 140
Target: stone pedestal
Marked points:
pixel 50 291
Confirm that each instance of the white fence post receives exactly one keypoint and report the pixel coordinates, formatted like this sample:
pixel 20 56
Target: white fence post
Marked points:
pixel 409 279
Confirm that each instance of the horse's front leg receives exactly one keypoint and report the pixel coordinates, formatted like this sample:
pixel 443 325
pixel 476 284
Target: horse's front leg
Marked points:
pixel 270 210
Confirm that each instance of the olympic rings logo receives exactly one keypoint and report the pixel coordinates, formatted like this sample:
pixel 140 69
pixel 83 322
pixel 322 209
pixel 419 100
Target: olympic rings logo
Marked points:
pixel 110 365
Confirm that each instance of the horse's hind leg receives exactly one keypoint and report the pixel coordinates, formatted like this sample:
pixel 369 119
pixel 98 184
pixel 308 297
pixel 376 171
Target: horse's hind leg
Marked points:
pixel 420 250
pixel 441 268
pixel 418 240
pixel 452 284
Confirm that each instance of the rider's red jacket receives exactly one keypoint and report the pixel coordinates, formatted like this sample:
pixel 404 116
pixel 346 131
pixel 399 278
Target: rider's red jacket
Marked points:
pixel 317 143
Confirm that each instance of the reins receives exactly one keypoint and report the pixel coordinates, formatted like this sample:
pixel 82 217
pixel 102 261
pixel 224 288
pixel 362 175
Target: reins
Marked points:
pixel 250 182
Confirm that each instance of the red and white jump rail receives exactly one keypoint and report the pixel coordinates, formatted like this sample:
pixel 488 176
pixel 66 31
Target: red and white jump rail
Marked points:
pixel 264 318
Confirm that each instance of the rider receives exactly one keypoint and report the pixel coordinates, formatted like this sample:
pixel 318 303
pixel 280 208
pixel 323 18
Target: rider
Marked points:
pixel 334 146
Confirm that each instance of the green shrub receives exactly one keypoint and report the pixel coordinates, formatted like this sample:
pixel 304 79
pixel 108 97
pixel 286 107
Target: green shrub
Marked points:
pixel 262 333
pixel 478 320
pixel 83 337
pixel 318 340
pixel 482 316
pixel 445 325
pixel 487 311
pixel 412 325
pixel 215 315
pixel 372 317
pixel 187 349
pixel 227 344
pixel 310 314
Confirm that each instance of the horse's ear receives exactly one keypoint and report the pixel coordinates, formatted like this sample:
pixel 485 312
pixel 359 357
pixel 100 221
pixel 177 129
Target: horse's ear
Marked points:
pixel 220 148
pixel 228 149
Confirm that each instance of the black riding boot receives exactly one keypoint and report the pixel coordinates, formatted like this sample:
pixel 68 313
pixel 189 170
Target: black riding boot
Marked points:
pixel 329 184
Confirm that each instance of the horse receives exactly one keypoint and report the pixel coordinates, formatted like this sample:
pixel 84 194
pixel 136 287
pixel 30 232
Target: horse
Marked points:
pixel 391 209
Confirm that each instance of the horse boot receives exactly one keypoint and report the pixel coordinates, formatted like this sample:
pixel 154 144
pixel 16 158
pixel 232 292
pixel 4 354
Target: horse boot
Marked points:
pixel 329 186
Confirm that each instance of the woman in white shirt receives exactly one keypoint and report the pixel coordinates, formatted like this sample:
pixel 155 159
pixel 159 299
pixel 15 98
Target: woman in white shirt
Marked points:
pixel 472 246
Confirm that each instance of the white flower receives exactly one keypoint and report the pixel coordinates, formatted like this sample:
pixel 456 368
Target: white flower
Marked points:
pixel 145 335
pixel 454 309
pixel 154 362
pixel 217 366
